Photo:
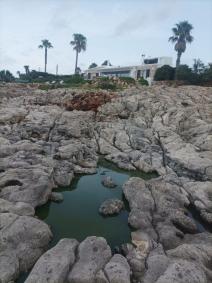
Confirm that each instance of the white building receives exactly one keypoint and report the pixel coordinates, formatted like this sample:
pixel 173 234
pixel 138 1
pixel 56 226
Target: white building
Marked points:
pixel 145 70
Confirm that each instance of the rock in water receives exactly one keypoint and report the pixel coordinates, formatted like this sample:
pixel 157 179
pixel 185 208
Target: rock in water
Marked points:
pixel 111 206
pixel 56 197
pixel 108 182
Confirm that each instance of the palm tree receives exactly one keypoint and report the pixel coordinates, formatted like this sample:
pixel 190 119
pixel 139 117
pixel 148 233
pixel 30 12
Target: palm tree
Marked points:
pixel 79 43
pixel 45 44
pixel 26 67
pixel 181 36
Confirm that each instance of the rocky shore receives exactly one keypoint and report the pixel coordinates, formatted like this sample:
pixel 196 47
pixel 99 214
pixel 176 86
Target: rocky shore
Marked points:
pixel 45 140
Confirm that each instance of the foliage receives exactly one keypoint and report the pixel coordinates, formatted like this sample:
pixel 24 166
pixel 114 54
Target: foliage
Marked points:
pixel 93 65
pixel 106 63
pixel 165 72
pixel 181 36
pixel 79 43
pixel 106 83
pixel 6 76
pixel 127 80
pixel 45 44
pixel 198 75
pixel 184 73
pixel 198 66
pixel 142 81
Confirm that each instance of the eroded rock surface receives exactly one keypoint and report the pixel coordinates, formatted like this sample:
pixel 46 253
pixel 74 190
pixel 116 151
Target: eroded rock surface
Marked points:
pixel 111 206
pixel 46 138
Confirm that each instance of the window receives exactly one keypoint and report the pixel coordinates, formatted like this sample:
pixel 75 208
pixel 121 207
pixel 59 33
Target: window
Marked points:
pixel 151 61
pixel 147 73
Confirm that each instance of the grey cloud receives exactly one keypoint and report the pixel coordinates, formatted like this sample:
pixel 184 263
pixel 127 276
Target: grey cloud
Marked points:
pixel 143 19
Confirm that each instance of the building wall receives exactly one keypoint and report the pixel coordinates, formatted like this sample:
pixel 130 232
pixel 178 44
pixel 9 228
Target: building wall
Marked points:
pixel 147 71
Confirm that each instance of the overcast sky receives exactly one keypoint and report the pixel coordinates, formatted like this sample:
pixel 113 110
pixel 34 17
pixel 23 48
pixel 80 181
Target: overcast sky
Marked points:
pixel 118 30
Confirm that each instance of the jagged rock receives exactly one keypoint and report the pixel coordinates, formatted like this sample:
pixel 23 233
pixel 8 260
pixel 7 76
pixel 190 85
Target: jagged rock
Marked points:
pixel 162 129
pixel 111 206
pixel 93 254
pixel 108 182
pixel 54 265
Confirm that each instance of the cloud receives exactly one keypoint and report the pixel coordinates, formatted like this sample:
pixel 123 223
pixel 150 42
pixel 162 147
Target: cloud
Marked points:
pixel 143 19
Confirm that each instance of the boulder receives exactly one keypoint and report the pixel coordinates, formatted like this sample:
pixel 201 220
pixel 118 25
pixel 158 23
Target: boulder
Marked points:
pixel 111 206
pixel 93 254
pixel 54 265
pixel 108 182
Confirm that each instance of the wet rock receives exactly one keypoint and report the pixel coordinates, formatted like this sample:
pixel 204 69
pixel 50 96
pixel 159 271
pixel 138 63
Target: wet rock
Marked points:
pixel 54 265
pixel 93 254
pixel 111 206
pixel 56 197
pixel 108 182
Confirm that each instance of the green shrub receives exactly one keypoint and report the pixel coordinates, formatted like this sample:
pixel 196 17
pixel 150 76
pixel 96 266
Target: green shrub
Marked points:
pixel 127 80
pixel 164 73
pixel 73 80
pixel 184 73
pixel 106 85
pixel 6 76
pixel 142 81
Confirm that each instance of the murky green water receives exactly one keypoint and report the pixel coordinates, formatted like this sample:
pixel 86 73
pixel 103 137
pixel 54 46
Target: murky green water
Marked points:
pixel 78 217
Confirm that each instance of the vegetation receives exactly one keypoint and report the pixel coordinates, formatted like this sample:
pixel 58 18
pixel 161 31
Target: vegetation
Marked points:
pixel 26 67
pixel 142 81
pixel 127 80
pixel 79 44
pixel 93 65
pixel 106 63
pixel 166 72
pixel 106 83
pixel 46 45
pixel 198 66
pixel 181 36
pixel 6 76
pixel 198 75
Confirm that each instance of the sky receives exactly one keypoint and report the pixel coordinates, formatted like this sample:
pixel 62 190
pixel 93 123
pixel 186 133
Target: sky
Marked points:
pixel 117 30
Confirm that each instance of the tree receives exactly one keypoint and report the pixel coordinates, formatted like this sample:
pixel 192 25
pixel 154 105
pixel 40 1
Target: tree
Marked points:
pixel 198 66
pixel 106 63
pixel 26 67
pixel 93 65
pixel 181 36
pixel 164 73
pixel 79 44
pixel 46 45
pixel 6 76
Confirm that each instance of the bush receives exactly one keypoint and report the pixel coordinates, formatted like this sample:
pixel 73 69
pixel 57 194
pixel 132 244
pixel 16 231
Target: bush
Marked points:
pixel 73 79
pixel 142 81
pixel 184 73
pixel 164 73
pixel 106 85
pixel 127 80
pixel 6 76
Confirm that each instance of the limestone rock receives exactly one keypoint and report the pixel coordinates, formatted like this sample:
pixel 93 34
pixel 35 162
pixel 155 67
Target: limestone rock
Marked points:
pixel 111 206
pixel 93 254
pixel 54 265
